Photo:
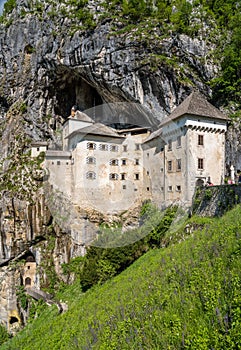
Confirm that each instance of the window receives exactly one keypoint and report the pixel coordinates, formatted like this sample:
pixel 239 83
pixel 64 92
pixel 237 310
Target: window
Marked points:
pixel 91 145
pixel 138 147
pixel 179 164
pixel 200 140
pixel 113 148
pixel 123 176
pixel 169 147
pixel 90 160
pixel 148 189
pixel 137 162
pixel 52 163
pixel 114 162
pixel 103 147
pixel 179 141
pixel 200 164
pixel 137 176
pixel 124 187
pixel 113 176
pixel 125 148
pixel 147 155
pixel 169 188
pixel 178 188
pixel 147 173
pixel 91 175
pixel 58 162
pixel 123 161
pixel 169 165
pixel 37 149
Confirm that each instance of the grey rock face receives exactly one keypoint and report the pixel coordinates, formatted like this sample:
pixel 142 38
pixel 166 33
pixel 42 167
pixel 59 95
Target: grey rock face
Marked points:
pixel 45 68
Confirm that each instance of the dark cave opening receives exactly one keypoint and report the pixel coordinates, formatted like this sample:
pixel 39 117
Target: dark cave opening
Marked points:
pixel 13 320
pixel 72 90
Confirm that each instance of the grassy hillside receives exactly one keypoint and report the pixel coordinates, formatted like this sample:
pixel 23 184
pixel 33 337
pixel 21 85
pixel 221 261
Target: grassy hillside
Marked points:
pixel 185 296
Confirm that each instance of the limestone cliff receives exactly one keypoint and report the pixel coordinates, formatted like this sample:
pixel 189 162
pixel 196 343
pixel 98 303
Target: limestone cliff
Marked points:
pixel 50 60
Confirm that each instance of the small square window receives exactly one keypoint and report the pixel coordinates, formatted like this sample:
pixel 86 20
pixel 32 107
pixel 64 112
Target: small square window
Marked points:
pixel 58 162
pixel 124 187
pixel 113 148
pixel 113 176
pixel 169 188
pixel 137 161
pixel 200 140
pixel 103 147
pixel 123 161
pixel 114 162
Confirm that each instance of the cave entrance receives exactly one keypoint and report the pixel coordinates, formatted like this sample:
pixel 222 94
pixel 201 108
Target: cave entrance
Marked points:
pixel 13 320
pixel 72 90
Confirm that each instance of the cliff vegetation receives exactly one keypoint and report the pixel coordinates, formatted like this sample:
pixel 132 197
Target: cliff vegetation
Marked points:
pixel 184 296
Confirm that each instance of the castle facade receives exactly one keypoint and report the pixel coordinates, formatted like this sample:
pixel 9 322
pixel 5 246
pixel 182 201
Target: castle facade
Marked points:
pixel 113 170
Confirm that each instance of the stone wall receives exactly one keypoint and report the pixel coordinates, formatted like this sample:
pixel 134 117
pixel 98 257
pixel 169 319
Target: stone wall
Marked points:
pixel 216 200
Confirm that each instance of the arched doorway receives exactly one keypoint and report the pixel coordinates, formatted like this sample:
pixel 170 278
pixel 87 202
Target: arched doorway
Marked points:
pixel 27 282
pixel 200 182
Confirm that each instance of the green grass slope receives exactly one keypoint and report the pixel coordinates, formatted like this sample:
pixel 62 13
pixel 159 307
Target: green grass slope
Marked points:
pixel 185 296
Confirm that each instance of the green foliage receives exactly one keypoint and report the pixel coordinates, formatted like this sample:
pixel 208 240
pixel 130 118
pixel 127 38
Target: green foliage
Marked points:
pixel 4 336
pixel 22 297
pixel 100 264
pixel 9 6
pixel 185 296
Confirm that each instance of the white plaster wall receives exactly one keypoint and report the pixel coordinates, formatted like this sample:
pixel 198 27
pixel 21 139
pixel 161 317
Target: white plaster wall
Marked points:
pixel 35 151
pixel 103 194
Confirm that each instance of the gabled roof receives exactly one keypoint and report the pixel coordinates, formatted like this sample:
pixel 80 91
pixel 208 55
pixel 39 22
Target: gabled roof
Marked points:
pixel 153 135
pixel 195 104
pixel 81 116
pixel 96 129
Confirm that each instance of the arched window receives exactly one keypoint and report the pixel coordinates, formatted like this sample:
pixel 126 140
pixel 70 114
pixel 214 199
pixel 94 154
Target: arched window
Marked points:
pixel 27 281
pixel 91 175
pixel 91 145
pixel 199 182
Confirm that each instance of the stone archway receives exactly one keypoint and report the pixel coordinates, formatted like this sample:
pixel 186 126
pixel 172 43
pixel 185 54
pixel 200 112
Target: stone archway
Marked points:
pixel 27 282
pixel 200 182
